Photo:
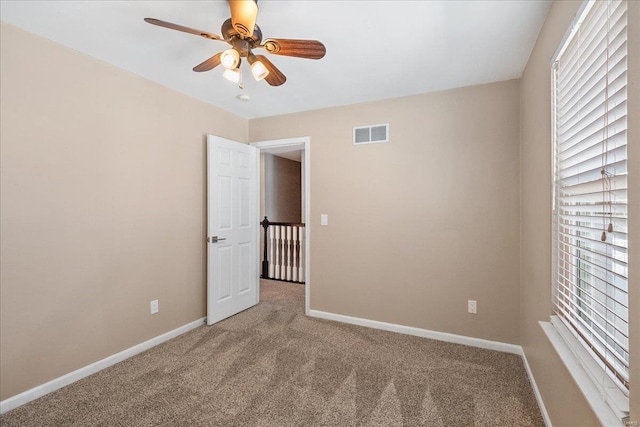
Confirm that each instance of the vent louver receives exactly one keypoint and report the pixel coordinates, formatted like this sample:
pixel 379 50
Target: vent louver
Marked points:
pixel 371 134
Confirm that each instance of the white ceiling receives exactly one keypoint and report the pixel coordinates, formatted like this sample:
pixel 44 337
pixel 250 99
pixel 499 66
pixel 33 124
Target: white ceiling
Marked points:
pixel 375 49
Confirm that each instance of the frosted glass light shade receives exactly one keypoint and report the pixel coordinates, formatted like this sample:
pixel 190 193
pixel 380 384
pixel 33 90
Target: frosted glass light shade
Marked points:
pixel 259 71
pixel 230 58
pixel 233 75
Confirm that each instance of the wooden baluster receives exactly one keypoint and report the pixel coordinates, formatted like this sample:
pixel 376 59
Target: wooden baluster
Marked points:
pixel 285 242
pixel 283 266
pixel 276 234
pixel 281 253
pixel 301 267
pixel 278 262
pixel 300 259
pixel 294 251
pixel 288 260
pixel 272 252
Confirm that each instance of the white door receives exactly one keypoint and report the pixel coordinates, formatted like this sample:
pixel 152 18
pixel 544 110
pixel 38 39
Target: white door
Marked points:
pixel 232 228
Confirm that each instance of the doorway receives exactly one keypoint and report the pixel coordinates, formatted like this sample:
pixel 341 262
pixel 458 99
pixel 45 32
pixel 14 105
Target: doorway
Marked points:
pixel 293 147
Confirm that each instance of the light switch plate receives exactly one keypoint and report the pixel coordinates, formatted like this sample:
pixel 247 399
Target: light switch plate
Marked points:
pixel 324 219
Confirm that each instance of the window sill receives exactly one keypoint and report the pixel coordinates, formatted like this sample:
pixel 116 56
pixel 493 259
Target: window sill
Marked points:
pixel 596 397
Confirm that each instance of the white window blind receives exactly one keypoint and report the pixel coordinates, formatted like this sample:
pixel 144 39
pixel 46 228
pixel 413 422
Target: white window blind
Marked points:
pixel 590 292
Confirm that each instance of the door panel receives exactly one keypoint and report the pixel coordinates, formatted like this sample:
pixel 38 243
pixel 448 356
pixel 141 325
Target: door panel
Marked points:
pixel 225 266
pixel 246 259
pixel 245 203
pixel 224 203
pixel 232 217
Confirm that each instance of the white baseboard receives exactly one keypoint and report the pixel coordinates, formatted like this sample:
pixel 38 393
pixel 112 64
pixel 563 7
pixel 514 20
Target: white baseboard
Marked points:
pixel 536 391
pixel 424 333
pixel 443 336
pixel 55 384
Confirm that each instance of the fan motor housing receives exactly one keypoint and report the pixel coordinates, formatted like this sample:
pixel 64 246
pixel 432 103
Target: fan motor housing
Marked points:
pixel 230 34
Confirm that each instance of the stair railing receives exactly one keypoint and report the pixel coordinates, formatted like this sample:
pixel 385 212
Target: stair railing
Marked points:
pixel 283 255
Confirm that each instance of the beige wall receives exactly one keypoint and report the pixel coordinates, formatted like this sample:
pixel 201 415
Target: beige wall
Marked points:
pixel 422 224
pixel 557 388
pixel 283 197
pixel 103 208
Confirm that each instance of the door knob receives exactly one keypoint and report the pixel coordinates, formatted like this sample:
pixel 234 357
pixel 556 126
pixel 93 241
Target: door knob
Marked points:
pixel 215 239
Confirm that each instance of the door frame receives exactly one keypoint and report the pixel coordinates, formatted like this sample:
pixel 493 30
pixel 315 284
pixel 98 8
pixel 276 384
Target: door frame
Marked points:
pixel 294 144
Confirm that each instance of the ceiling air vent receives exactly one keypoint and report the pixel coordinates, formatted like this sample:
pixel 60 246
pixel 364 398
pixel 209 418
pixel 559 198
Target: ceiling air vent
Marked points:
pixel 371 134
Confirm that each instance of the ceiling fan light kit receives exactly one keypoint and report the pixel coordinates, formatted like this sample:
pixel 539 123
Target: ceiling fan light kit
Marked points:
pixel 230 58
pixel 241 32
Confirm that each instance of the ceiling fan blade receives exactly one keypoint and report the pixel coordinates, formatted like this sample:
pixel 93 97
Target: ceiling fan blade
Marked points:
pixel 275 76
pixel 243 16
pixel 171 26
pixel 311 49
pixel 209 64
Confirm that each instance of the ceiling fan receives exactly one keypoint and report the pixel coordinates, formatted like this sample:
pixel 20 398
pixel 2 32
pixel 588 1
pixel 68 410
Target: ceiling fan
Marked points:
pixel 241 32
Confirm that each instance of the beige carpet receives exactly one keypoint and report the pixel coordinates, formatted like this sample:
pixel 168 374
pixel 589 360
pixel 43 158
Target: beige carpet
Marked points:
pixel 272 366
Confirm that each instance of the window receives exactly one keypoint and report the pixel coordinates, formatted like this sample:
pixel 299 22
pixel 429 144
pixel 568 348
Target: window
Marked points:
pixel 590 263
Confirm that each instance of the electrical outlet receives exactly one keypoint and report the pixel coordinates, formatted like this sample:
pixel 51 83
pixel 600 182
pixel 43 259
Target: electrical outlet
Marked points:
pixel 154 306
pixel 472 306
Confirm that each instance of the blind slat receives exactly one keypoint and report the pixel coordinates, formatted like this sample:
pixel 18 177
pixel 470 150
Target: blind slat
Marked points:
pixel 590 29
pixel 617 182
pixel 576 320
pixel 595 162
pixel 594 143
pixel 593 121
pixel 599 318
pixel 596 246
pixel 593 99
pixel 590 52
pixel 610 278
pixel 593 128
